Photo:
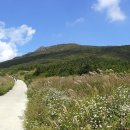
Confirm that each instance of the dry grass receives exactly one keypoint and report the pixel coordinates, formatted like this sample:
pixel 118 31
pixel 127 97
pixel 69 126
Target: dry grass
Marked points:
pixel 79 103
pixel 84 85
pixel 6 83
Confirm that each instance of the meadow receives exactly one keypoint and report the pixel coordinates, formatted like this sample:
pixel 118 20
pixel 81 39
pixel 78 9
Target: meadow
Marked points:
pixel 96 101
pixel 6 84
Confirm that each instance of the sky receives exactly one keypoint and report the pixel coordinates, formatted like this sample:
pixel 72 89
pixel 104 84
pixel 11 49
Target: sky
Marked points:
pixel 26 25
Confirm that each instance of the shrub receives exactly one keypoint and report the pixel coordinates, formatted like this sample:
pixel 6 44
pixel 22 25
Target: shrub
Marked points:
pixel 79 103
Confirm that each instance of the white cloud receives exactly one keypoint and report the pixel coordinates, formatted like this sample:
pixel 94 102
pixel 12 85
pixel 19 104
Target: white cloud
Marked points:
pixel 77 21
pixel 112 8
pixel 7 51
pixel 11 37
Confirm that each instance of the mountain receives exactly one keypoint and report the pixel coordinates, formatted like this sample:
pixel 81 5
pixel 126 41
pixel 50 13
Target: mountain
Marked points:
pixel 72 58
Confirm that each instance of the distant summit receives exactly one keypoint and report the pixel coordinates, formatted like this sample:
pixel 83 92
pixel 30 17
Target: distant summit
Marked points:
pixel 57 48
pixel 41 49
pixel 71 58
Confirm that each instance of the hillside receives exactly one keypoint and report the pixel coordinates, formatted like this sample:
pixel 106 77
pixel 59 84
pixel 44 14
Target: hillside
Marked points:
pixel 66 59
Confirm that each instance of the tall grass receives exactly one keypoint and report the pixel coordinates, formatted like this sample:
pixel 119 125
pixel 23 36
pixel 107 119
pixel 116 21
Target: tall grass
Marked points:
pixel 88 102
pixel 6 83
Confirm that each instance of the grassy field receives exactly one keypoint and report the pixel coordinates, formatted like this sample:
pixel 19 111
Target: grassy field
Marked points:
pixel 6 83
pixel 87 102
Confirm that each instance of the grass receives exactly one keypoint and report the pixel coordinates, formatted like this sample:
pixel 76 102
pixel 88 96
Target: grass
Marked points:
pixel 6 84
pixel 88 102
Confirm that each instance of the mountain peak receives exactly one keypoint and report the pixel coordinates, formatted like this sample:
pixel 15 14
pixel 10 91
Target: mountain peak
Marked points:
pixel 41 49
pixel 57 48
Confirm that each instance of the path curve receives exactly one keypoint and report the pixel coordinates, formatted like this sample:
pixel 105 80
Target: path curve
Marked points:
pixel 12 106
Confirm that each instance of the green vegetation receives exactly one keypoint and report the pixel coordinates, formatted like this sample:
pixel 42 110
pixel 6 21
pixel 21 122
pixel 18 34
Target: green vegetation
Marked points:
pixel 88 102
pixel 81 66
pixel 70 59
pixel 6 84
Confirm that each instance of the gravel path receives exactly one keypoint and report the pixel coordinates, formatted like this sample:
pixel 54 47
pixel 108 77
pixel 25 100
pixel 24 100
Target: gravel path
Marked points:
pixel 12 106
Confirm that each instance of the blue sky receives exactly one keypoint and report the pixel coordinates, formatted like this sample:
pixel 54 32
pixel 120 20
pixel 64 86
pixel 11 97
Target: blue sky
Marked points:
pixel 90 22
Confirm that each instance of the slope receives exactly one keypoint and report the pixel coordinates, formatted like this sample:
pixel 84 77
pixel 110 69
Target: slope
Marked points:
pixel 64 59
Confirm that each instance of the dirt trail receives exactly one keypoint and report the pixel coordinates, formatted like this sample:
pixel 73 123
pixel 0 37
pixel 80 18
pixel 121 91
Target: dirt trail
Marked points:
pixel 12 106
